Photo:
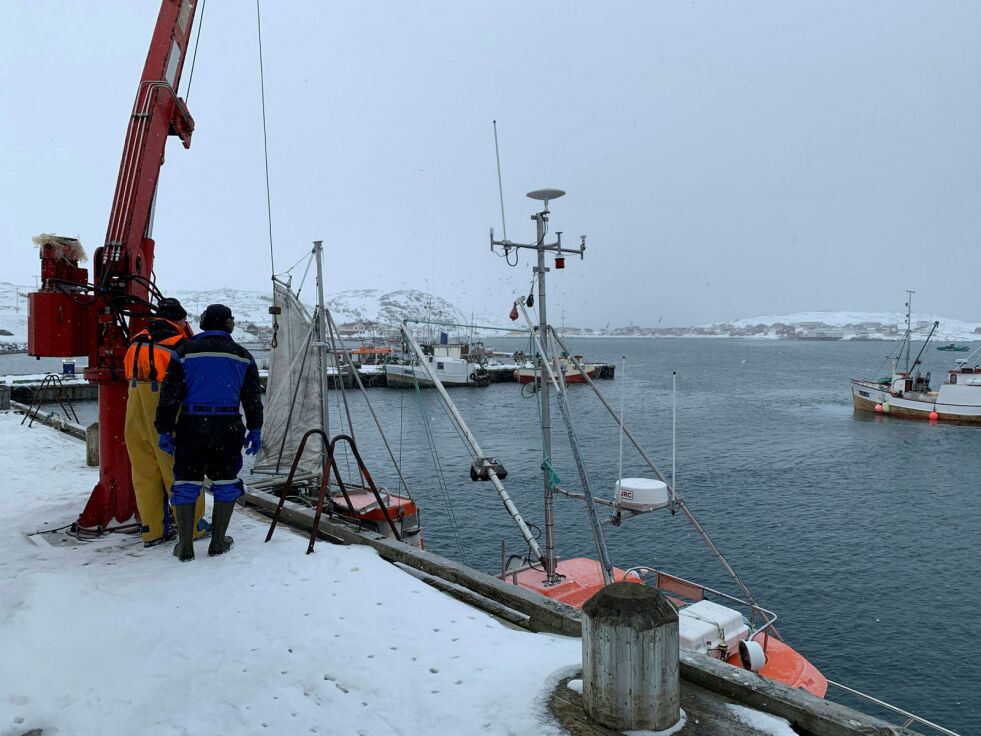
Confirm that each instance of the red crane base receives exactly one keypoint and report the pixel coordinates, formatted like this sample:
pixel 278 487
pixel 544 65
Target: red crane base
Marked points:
pixel 112 497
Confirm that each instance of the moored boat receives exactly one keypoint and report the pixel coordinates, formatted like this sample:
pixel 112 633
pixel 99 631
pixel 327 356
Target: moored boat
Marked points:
pixel 454 364
pixel 908 393
pixel 746 637
pixel 953 347
pixel 305 354
pixel 570 372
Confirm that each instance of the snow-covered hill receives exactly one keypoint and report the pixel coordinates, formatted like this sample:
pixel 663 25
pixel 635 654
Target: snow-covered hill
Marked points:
pixel 372 309
pixel 865 325
pixel 13 316
pixel 368 308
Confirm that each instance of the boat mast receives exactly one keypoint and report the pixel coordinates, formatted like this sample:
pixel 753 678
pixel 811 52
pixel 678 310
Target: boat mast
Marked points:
pixel 541 222
pixel 909 325
pixel 541 228
pixel 318 252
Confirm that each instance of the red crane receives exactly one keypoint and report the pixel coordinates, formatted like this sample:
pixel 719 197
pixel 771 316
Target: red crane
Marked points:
pixel 68 315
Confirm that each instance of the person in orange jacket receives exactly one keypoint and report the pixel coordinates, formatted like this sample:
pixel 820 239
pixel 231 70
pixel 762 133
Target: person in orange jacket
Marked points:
pixel 145 366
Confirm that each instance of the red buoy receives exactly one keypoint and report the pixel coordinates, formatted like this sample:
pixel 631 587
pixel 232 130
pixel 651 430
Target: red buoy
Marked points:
pixel 934 416
pixel 878 408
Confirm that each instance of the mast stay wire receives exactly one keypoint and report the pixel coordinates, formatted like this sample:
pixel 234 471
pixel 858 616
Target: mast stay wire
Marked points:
pixel 265 139
pixel 371 409
pixel 439 472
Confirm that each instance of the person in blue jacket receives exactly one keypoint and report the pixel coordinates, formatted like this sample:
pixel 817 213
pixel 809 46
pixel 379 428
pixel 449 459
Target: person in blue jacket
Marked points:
pixel 199 422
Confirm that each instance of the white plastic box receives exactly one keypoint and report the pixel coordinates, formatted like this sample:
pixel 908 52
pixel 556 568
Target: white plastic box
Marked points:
pixel 704 626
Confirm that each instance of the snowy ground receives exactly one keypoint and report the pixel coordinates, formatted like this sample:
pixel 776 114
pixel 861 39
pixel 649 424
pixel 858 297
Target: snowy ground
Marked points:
pixel 109 638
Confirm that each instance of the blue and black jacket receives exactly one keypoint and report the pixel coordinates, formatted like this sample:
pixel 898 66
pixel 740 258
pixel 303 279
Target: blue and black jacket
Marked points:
pixel 210 376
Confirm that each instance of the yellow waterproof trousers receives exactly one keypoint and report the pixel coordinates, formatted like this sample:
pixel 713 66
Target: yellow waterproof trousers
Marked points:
pixel 153 469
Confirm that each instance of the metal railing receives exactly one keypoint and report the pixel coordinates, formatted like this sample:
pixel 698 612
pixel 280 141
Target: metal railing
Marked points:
pixel 910 718
pixel 53 386
pixel 696 592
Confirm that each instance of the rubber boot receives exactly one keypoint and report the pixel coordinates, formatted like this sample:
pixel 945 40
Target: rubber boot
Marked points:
pixel 184 550
pixel 221 514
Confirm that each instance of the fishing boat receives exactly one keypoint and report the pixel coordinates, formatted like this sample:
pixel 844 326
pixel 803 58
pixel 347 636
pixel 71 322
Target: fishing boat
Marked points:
pixel 735 629
pixel 953 347
pixel 299 456
pixel 456 364
pixel 909 394
pixel 570 372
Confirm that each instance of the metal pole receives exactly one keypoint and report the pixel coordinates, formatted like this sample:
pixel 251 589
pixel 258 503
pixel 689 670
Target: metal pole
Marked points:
pixel 540 220
pixel 318 247
pixel 680 502
pixel 674 427
pixel 474 446
pixel 909 326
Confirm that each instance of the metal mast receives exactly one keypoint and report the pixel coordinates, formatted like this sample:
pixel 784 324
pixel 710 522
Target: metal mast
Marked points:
pixel 909 326
pixel 322 344
pixel 540 246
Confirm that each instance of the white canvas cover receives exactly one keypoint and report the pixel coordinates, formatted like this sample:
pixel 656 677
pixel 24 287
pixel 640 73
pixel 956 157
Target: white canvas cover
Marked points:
pixel 293 391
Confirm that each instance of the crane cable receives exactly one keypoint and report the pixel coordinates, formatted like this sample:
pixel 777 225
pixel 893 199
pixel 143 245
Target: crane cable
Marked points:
pixel 194 57
pixel 265 141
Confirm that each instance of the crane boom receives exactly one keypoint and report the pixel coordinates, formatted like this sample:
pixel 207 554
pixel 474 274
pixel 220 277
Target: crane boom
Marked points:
pixel 60 323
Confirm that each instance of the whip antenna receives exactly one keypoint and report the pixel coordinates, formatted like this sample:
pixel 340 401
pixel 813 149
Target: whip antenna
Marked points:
pixel 500 186
pixel 674 429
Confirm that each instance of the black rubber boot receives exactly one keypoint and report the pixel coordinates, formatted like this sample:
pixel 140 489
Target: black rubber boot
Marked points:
pixel 221 514
pixel 183 550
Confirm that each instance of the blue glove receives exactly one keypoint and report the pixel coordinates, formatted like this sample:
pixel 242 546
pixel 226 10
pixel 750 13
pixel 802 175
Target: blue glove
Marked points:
pixel 167 444
pixel 253 442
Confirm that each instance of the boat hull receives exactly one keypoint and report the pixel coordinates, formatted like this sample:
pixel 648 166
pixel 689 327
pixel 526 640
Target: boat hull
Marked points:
pixel 583 578
pixel 573 375
pixel 867 395
pixel 398 376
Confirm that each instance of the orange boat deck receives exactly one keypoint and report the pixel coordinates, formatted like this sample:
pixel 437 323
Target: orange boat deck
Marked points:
pixel 582 578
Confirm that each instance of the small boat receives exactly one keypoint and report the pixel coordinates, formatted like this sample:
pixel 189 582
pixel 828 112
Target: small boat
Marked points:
pixel 735 630
pixel 305 354
pixel 908 394
pixel 954 348
pixel 455 364
pixel 570 373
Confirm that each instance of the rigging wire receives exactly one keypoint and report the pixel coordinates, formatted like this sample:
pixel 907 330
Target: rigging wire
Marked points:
pixel 265 141
pixel 194 56
pixel 440 475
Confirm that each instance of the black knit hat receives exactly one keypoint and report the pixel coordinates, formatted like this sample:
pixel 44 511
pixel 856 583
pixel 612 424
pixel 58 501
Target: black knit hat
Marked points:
pixel 169 308
pixel 218 317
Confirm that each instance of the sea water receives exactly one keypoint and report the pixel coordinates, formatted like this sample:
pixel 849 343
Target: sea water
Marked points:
pixel 860 531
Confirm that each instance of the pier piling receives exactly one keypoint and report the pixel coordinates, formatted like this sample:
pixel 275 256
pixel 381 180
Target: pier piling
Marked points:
pixel 630 659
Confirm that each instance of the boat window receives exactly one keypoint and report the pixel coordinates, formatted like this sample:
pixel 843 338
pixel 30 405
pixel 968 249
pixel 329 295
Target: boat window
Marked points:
pixel 953 378
pixel 439 366
pixel 430 359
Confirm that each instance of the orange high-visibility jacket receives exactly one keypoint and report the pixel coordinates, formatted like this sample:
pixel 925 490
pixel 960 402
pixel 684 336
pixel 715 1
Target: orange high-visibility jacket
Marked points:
pixel 150 351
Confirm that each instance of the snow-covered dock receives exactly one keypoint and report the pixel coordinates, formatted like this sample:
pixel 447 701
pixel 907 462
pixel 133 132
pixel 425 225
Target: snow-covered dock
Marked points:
pixel 106 637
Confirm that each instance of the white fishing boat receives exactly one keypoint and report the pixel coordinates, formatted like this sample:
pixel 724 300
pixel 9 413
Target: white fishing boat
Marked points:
pixel 455 365
pixel 908 393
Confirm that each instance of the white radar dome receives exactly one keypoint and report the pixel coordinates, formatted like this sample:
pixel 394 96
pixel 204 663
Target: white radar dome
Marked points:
pixel 641 494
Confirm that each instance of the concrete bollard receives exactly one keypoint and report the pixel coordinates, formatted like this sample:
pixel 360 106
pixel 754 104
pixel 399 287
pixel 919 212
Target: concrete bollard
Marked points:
pixel 92 445
pixel 630 659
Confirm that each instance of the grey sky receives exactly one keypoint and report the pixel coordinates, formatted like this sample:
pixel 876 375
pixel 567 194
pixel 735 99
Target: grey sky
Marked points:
pixel 725 159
